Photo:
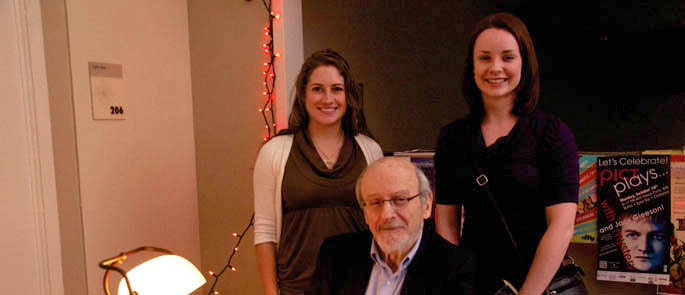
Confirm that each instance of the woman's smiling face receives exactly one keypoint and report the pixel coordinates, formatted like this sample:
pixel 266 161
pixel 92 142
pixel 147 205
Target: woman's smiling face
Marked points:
pixel 497 64
pixel 325 97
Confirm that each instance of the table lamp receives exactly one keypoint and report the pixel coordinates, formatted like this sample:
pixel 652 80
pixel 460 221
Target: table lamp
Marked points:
pixel 167 274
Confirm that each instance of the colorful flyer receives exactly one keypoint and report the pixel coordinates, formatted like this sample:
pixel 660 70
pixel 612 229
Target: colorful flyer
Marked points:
pixel 677 250
pixel 634 218
pixel 423 159
pixel 586 216
pixel 428 168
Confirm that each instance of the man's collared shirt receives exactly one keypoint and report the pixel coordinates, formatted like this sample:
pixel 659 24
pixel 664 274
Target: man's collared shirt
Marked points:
pixel 383 281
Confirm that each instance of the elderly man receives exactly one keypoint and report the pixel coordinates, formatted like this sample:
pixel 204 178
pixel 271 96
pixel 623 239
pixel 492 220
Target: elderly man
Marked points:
pixel 397 256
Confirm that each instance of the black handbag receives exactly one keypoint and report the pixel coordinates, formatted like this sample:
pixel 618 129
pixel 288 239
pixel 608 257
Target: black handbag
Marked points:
pixel 569 278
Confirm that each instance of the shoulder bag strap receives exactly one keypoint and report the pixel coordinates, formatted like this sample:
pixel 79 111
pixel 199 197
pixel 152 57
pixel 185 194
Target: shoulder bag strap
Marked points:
pixel 482 180
pixel 482 183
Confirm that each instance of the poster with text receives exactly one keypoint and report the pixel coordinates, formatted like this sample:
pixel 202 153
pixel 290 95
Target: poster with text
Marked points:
pixel 677 243
pixel 586 216
pixel 634 219
pixel 423 160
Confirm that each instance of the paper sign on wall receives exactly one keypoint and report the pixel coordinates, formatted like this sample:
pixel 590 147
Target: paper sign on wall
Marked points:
pixel 634 214
pixel 586 214
pixel 107 91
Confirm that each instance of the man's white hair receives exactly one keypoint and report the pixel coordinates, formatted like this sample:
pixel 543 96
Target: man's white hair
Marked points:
pixel 424 184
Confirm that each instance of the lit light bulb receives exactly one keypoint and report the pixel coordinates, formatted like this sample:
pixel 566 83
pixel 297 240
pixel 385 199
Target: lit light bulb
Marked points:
pixel 277 54
pixel 235 249
pixel 211 273
pixel 234 234
pixel 233 268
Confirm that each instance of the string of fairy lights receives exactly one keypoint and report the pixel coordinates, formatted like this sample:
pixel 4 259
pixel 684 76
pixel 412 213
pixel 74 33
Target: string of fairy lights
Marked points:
pixel 228 265
pixel 269 73
pixel 269 83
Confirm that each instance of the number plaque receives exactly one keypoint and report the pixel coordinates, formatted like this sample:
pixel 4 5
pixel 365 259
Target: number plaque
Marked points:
pixel 107 91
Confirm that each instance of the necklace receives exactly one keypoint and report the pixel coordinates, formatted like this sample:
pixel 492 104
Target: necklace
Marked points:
pixel 327 161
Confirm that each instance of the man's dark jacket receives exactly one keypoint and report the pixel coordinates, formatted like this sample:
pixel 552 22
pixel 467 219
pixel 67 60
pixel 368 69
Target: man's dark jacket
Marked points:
pixel 344 266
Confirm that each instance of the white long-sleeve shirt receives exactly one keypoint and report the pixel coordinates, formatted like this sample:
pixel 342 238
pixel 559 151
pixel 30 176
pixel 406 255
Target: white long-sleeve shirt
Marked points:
pixel 268 177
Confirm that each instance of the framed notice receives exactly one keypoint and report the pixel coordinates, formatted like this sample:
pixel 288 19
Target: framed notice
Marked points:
pixel 107 91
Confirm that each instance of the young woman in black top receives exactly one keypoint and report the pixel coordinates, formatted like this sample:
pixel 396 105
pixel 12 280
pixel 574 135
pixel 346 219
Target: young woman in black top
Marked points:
pixel 529 156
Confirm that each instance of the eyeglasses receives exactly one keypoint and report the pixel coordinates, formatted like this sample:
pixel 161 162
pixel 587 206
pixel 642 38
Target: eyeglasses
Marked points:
pixel 397 203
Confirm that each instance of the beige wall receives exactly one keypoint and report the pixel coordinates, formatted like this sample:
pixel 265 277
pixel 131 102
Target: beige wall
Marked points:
pixel 226 63
pixel 122 184
pixel 28 224
pixel 64 145
pixel 136 177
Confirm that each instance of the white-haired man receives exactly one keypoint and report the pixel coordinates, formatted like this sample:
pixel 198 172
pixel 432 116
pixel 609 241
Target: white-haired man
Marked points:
pixel 397 256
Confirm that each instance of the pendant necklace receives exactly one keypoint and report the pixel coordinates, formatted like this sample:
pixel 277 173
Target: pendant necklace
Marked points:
pixel 327 161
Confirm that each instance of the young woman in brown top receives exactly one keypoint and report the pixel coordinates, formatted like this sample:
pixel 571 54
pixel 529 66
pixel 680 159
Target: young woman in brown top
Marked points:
pixel 304 177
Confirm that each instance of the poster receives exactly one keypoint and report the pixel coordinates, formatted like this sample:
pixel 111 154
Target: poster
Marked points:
pixel 423 159
pixel 677 249
pixel 586 217
pixel 426 165
pixel 634 218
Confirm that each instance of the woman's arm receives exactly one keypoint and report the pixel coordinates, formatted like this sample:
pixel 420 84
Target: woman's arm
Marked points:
pixel 447 222
pixel 266 263
pixel 552 248
pixel 264 187
pixel 450 186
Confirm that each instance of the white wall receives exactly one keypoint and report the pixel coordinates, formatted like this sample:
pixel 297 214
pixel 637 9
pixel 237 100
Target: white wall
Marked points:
pixel 137 176
pixel 122 184
pixel 28 223
pixel 58 70
pixel 287 41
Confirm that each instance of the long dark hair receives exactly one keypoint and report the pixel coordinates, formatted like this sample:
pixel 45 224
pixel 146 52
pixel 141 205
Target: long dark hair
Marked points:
pixel 353 121
pixel 528 90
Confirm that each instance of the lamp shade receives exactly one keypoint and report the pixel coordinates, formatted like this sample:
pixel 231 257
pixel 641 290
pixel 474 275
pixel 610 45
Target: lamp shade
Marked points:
pixel 163 275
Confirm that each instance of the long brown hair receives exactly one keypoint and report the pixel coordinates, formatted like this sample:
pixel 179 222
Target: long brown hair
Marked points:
pixel 353 121
pixel 528 90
